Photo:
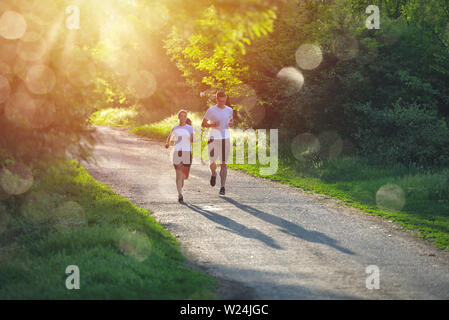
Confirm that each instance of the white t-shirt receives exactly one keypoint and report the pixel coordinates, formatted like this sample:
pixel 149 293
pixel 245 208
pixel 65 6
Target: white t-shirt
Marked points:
pixel 216 114
pixel 181 137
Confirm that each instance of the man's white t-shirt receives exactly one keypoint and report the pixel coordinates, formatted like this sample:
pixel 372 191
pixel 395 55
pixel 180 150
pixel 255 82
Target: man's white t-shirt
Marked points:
pixel 181 137
pixel 222 116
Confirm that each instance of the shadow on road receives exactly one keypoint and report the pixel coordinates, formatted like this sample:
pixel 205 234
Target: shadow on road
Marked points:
pixel 273 285
pixel 289 227
pixel 235 227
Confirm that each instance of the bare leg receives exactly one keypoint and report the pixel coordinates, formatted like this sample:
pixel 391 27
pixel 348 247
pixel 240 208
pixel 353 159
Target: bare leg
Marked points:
pixel 213 168
pixel 223 173
pixel 185 172
pixel 179 181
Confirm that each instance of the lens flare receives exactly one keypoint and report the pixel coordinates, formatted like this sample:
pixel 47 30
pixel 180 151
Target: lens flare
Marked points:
pixel 5 89
pixel 40 79
pixel 16 178
pixel 390 197
pixel 135 244
pixel 246 97
pixel 304 145
pixel 345 47
pixel 31 47
pixel 142 84
pixel 308 56
pixel 293 79
pixel 12 25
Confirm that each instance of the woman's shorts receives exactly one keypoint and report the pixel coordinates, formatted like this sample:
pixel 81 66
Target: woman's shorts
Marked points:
pixel 182 158
pixel 219 148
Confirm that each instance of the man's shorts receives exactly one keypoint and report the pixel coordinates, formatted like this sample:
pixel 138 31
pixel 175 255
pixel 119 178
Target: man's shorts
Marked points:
pixel 219 148
pixel 182 158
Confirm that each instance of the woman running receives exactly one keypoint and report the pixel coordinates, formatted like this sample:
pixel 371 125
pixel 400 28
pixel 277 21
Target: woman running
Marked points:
pixel 182 135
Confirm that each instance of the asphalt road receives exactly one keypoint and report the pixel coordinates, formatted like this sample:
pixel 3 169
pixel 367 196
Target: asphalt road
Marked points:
pixel 266 240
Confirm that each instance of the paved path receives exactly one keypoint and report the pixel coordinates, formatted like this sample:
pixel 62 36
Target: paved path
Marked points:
pixel 266 240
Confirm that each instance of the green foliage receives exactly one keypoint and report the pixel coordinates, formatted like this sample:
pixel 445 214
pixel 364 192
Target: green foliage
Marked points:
pixel 405 134
pixel 398 72
pixel 125 117
pixel 208 48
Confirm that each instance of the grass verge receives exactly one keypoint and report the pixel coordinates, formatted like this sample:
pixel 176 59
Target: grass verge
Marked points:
pixel 414 198
pixel 124 117
pixel 68 218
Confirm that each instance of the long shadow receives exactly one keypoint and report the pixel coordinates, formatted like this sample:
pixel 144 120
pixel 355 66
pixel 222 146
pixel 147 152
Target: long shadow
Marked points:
pixel 235 227
pixel 289 227
pixel 261 285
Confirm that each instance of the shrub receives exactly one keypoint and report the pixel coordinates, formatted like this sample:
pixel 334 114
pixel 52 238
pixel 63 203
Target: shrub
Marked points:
pixel 409 134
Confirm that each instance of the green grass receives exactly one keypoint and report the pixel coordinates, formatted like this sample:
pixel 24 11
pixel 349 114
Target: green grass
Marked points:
pixel 160 130
pixel 124 117
pixel 68 218
pixel 414 198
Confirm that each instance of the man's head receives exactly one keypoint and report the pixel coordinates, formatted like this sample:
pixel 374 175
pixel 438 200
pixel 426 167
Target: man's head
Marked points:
pixel 221 98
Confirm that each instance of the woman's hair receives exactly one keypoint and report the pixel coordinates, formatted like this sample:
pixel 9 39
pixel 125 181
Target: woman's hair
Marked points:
pixel 181 111
pixel 188 121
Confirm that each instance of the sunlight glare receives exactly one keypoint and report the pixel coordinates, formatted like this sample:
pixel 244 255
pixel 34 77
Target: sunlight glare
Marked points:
pixel 40 79
pixel 142 84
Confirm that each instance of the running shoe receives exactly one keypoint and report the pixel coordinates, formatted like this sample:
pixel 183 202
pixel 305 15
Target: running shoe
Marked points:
pixel 212 180
pixel 222 190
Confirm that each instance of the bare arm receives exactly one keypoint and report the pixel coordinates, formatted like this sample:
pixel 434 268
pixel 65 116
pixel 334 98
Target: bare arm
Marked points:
pixel 167 142
pixel 206 124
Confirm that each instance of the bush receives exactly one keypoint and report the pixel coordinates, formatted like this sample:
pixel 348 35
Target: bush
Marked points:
pixel 409 134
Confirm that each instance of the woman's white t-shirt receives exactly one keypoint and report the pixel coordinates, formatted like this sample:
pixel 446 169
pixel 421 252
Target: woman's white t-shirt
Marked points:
pixel 181 136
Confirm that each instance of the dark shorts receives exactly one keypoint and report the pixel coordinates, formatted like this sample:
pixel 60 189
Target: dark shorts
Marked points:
pixel 219 148
pixel 182 158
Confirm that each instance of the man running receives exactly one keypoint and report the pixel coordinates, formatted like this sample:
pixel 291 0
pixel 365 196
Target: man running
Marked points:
pixel 218 118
